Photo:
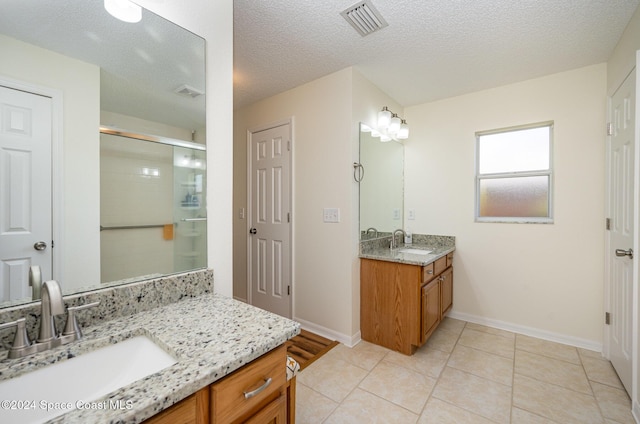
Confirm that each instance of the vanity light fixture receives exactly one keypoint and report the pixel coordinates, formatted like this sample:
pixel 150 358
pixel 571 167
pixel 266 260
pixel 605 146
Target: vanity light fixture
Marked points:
pixel 390 126
pixel 125 10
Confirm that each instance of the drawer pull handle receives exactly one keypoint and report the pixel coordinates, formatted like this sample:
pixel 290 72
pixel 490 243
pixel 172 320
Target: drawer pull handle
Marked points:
pixel 430 271
pixel 249 395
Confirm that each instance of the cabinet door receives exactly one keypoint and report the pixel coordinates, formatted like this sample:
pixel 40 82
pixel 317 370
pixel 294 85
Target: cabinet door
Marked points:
pixel 430 308
pixel 273 413
pixel 446 291
pixel 192 410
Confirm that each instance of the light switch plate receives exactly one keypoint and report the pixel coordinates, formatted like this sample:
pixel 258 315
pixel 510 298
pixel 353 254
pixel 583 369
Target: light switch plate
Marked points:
pixel 331 215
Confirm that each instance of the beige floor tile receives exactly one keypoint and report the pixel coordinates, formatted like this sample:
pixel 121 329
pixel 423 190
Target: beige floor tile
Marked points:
pixel 554 402
pixel 520 416
pixel 452 324
pixel 364 355
pixel 426 361
pixel 614 403
pixel 474 394
pixel 399 385
pixel 602 371
pixel 482 364
pixel 487 342
pixel 490 330
pixel 311 406
pixel 332 377
pixel 586 353
pixel 554 371
pixel 363 407
pixel 439 412
pixel 547 348
pixel 443 340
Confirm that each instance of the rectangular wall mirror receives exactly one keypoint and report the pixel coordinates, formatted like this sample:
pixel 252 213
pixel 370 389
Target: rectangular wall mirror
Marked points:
pixel 102 147
pixel 382 187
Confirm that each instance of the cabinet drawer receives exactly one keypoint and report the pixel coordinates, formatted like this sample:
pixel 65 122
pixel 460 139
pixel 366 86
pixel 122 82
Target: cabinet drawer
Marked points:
pixel 428 273
pixel 228 396
pixel 449 259
pixel 440 265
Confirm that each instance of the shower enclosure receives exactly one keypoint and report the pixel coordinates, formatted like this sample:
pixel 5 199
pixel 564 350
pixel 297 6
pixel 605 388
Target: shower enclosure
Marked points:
pixel 152 206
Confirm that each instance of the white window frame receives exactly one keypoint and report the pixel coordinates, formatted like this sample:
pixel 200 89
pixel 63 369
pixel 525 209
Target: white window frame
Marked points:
pixel 549 173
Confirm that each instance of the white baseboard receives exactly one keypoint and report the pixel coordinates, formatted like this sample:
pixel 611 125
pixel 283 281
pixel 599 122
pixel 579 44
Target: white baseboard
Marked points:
pixel 529 331
pixel 349 341
pixel 635 411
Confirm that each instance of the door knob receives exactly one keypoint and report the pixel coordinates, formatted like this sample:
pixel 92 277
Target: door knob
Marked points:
pixel 40 245
pixel 253 231
pixel 622 252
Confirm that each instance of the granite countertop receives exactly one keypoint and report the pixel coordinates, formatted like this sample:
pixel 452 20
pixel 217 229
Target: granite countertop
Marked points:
pixel 209 335
pixel 396 255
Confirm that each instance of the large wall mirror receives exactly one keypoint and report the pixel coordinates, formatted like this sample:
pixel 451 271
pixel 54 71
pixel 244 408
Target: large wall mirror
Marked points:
pixel 102 147
pixel 382 187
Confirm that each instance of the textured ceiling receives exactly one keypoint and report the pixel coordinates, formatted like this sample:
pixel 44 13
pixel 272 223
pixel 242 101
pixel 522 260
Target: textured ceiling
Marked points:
pixel 140 64
pixel 432 49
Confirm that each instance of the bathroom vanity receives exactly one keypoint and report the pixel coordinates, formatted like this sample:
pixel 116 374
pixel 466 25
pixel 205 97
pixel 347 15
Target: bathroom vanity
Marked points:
pixel 229 365
pixel 405 293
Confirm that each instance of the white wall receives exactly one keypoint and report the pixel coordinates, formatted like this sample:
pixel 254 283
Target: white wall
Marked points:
pixel 213 20
pixel 79 166
pixel 546 280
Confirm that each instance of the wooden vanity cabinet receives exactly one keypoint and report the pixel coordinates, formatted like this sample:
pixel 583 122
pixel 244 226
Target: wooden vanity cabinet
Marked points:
pixel 224 401
pixel 401 305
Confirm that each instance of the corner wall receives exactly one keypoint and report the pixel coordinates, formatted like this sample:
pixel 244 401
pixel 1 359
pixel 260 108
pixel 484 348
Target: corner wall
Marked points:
pixel 545 280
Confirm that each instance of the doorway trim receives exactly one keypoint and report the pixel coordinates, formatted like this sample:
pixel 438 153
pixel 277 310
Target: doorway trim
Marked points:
pixel 57 166
pixel 250 131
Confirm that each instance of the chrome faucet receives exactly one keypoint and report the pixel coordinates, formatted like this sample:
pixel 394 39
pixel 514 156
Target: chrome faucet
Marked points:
pixel 373 230
pixel 50 306
pixel 393 237
pixel 48 338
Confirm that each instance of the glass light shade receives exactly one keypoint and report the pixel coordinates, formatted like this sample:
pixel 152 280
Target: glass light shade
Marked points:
pixel 124 10
pixel 403 132
pixel 394 125
pixel 384 138
pixel 384 118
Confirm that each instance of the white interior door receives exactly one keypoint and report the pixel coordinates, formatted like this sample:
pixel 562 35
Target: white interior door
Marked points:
pixel 25 190
pixel 269 216
pixel 621 234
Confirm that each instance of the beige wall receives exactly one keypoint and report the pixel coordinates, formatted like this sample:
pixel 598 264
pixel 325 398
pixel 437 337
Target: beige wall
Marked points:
pixel 326 115
pixel 79 164
pixel 213 20
pixel 321 153
pixel 623 58
pixel 546 280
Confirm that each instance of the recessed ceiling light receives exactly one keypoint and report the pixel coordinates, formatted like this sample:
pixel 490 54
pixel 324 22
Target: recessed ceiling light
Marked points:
pixel 124 10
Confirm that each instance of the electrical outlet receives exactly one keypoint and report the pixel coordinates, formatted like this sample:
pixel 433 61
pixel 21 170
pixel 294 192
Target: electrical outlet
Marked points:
pixel 331 215
pixel 396 213
pixel 412 214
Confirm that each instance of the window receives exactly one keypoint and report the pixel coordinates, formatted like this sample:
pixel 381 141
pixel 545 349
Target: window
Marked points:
pixel 514 174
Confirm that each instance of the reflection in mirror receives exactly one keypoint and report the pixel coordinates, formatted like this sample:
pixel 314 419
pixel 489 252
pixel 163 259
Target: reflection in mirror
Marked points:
pixel 382 188
pixel 153 219
pixel 70 67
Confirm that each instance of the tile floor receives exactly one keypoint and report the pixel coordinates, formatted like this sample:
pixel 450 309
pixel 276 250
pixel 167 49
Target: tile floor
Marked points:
pixel 466 373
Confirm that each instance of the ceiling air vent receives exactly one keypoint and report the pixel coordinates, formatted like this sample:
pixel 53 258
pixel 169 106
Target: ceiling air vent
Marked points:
pixel 187 90
pixel 364 18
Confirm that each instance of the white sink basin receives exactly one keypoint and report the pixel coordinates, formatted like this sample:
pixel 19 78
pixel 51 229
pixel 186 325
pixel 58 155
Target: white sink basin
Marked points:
pixel 415 251
pixel 82 379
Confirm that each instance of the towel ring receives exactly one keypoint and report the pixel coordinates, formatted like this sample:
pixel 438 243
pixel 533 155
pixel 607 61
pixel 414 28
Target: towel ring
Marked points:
pixel 358 171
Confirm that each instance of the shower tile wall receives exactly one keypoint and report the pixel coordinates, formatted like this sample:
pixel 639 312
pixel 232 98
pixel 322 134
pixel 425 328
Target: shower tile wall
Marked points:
pixel 136 188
